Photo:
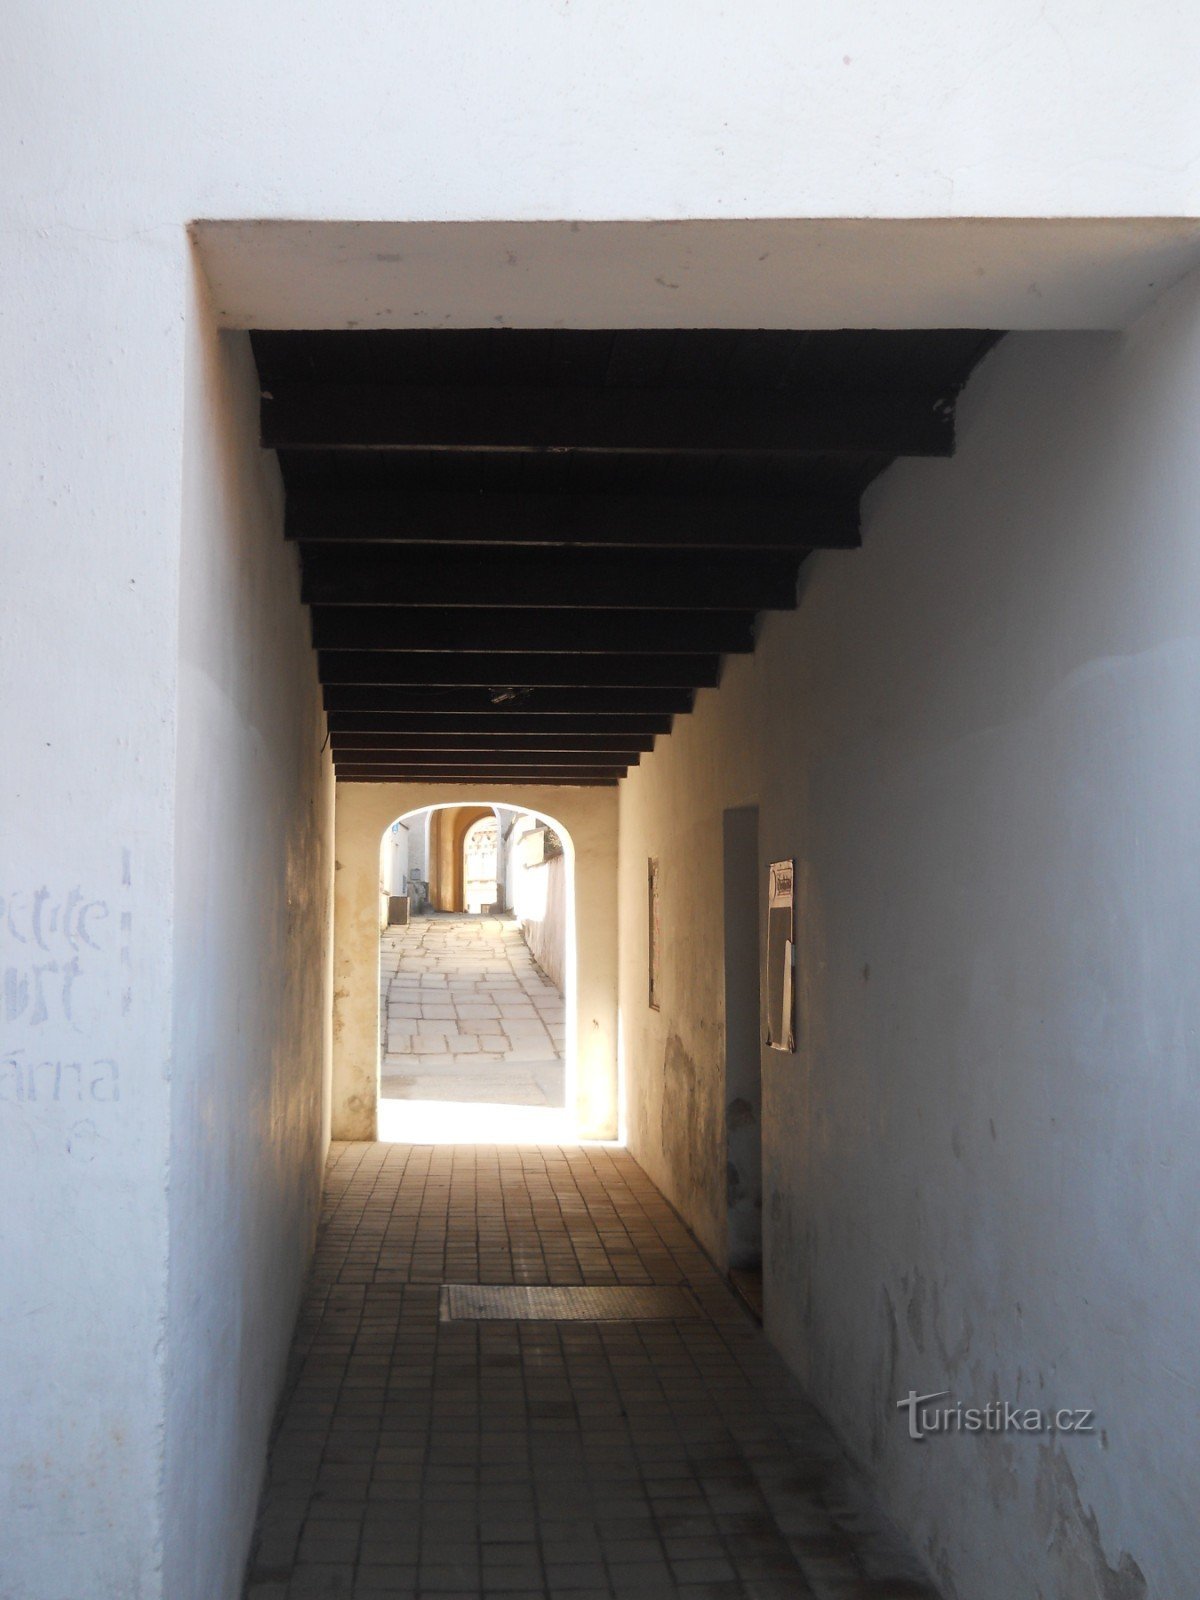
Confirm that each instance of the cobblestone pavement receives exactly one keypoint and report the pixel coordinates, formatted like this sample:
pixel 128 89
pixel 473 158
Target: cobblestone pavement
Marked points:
pixel 466 1014
pixel 424 1459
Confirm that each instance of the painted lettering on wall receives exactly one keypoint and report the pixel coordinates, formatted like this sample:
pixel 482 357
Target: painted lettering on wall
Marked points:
pixel 57 946
pixel 66 968
pixel 28 1082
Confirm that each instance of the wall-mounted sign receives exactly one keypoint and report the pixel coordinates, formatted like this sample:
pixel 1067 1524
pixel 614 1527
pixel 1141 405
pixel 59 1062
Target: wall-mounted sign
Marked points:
pixel 781 955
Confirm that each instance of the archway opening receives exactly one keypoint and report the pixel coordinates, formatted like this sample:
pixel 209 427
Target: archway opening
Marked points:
pixel 481 878
pixel 476 977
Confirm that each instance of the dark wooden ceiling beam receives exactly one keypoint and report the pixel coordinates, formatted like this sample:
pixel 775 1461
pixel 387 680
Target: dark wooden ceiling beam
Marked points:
pixel 488 758
pixel 471 700
pixel 542 780
pixel 407 725
pixel 535 745
pixel 532 417
pixel 575 521
pixel 501 672
pixel 639 580
pixel 390 628
pixel 510 772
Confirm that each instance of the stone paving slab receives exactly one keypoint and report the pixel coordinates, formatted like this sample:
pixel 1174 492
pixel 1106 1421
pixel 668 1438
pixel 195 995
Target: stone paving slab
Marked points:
pixel 466 1014
pixel 512 1460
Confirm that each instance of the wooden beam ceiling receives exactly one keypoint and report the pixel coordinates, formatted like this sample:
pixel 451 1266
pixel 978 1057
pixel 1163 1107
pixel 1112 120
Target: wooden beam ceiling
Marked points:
pixel 668 421
pixel 524 551
pixel 638 580
pixel 393 700
pixel 549 519
pixel 595 724
pixel 493 743
pixel 513 671
pixel 506 631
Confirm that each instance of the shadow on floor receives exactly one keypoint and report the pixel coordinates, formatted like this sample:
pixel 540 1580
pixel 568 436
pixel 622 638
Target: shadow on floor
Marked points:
pixel 544 1460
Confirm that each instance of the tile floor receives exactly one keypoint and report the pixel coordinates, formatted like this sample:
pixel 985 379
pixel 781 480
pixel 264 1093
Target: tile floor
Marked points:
pixel 458 1460
pixel 467 1015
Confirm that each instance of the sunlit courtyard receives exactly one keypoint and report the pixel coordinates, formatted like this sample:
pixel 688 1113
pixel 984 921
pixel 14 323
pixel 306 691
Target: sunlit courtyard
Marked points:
pixel 472 1034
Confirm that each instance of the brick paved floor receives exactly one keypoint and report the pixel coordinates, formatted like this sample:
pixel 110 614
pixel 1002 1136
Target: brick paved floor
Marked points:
pixel 467 1015
pixel 533 1460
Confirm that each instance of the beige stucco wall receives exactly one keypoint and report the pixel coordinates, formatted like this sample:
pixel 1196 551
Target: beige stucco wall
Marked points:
pixel 587 818
pixel 672 805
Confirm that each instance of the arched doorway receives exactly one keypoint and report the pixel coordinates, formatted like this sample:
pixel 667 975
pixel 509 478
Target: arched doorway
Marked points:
pixel 448 827
pixel 481 865
pixel 477 988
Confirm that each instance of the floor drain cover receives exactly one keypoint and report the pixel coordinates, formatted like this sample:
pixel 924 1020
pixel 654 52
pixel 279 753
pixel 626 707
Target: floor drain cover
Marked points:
pixel 477 1302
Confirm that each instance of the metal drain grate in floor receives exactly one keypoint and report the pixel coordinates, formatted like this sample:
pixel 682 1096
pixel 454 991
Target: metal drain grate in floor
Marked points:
pixel 479 1302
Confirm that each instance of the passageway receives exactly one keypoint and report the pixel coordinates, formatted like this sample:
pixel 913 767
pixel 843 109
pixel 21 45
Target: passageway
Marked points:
pixel 467 1014
pixel 420 1454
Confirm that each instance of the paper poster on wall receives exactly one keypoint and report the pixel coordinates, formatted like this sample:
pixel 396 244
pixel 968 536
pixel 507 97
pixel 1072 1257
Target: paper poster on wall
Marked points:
pixel 781 1025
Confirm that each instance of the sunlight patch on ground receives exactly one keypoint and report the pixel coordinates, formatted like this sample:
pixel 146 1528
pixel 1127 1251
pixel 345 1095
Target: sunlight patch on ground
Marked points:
pixel 472 1122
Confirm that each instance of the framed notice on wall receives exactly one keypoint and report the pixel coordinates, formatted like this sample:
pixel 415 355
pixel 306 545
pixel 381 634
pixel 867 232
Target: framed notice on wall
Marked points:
pixel 781 933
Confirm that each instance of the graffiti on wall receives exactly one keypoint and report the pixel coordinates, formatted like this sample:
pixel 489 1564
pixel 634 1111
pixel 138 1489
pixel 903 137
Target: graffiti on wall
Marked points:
pixel 62 948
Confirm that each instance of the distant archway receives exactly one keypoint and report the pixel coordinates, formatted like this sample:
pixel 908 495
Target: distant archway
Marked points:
pixel 478 987
pixel 481 870
pixel 448 829
pixel 585 819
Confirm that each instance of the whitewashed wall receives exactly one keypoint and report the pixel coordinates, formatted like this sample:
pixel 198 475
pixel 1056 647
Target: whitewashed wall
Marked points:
pixel 540 899
pixel 394 849
pixel 980 742
pixel 546 934
pixel 90 527
pixel 253 949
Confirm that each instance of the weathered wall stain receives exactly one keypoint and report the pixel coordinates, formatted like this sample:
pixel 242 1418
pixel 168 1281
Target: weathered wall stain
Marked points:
pixel 884 1397
pixel 914 1312
pixel 952 1356
pixel 1001 1462
pixel 1072 1536
pixel 689 1128
pixel 739 1114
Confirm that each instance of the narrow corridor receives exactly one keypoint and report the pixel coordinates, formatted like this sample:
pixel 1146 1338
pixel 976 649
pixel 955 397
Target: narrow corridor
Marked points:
pixel 419 1456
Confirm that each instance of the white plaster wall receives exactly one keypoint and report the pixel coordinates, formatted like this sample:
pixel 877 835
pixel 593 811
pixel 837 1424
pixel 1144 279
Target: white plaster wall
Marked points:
pixel 537 894
pixel 544 918
pixel 588 817
pixel 252 992
pixel 980 742
pixel 393 867
pixel 600 108
pixel 91 412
